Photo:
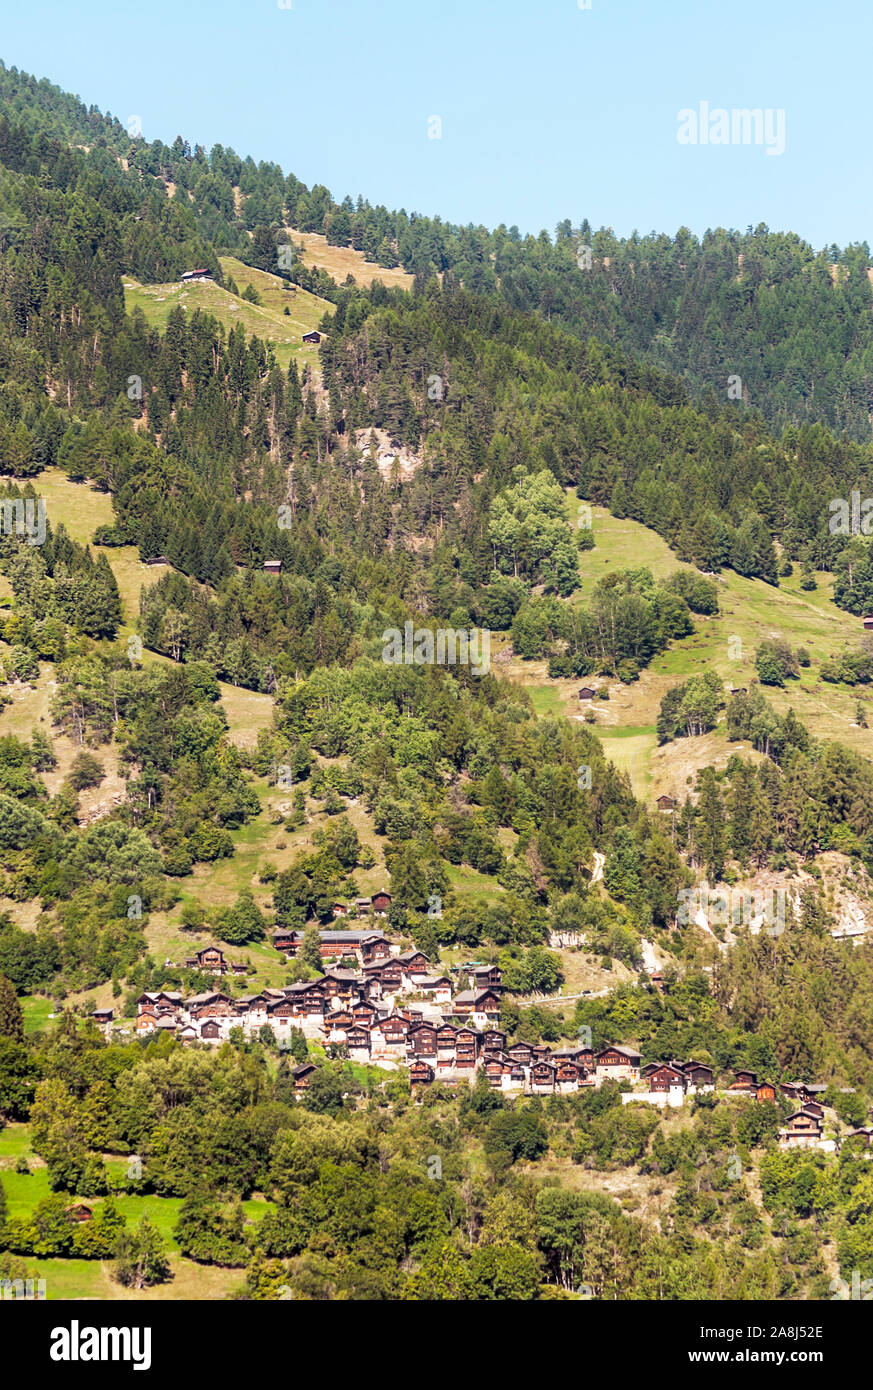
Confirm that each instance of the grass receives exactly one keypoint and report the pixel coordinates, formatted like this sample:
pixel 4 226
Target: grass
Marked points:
pixel 75 1279
pixel 14 1141
pixel 342 261
pixel 749 612
pixel 24 1190
pixel 91 1279
pixel 36 1012
pixel 267 321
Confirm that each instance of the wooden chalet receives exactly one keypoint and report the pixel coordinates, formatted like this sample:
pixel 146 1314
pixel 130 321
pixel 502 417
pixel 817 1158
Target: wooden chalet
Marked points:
pixel 543 1077
pixel 665 803
pixel 161 999
pixel 801 1131
pixel 493 1068
pixel 803 1091
pixel 666 1078
pixel 865 1133
pixel 366 946
pixel 466 1048
pixel 364 1012
pixel 358 1042
pixel 284 939
pixel 212 1005
pixel 421 1073
pixel 413 962
pixel 313 337
pixel 482 1005
pixel 764 1092
pixel 381 903
pixel 437 988
pixel 392 1032
pixel 617 1063
pixel 210 960
pixel 569 1074
pixel 697 1074
pixel 386 969
pixel 486 977
pixel 272 566
pixel 587 692
pixel 744 1081
pixel 337 1024
pixel 188 275
pixel 306 998
pixel 421 1040
pixel 79 1212
pixel 303 1075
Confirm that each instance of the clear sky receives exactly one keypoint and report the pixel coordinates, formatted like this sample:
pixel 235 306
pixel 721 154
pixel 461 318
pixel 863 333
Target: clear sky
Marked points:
pixel 547 110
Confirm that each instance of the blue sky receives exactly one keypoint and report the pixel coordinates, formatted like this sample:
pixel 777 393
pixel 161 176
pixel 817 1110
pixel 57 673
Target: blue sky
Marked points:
pixel 547 110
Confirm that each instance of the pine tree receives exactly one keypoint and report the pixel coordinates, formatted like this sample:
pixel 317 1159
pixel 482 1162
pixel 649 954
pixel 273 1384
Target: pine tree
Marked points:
pixel 11 1015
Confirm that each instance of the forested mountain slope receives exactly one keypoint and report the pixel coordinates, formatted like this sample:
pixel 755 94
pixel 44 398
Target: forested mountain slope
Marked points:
pixel 784 328
pixel 441 467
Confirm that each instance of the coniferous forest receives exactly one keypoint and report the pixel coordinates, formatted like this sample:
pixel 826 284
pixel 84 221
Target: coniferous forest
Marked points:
pixel 202 743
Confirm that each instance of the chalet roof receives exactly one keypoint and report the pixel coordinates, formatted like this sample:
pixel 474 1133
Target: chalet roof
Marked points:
pixel 625 1051
pixel 347 937
pixel 472 996
pixel 207 998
